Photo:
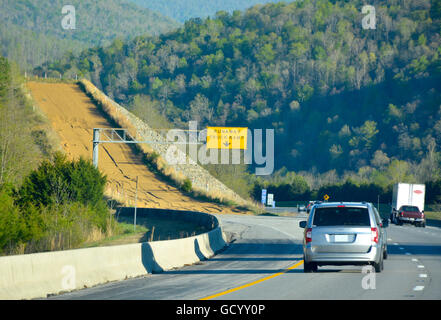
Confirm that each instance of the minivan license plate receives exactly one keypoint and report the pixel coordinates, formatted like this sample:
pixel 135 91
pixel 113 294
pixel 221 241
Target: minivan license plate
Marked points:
pixel 341 238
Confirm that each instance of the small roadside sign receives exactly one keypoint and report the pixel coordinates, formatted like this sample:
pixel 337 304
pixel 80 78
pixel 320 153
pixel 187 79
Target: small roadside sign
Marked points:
pixel 263 199
pixel 326 197
pixel 270 199
pixel 226 138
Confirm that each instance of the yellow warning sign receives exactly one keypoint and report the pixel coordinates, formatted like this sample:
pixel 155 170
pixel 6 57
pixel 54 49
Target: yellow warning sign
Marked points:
pixel 326 197
pixel 226 138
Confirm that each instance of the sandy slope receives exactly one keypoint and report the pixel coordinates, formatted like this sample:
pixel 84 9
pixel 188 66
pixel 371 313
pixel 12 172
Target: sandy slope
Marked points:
pixel 73 116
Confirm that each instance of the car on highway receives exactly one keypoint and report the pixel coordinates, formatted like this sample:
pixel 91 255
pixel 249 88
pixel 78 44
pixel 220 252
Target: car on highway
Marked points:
pixel 302 208
pixel 344 233
pixel 409 214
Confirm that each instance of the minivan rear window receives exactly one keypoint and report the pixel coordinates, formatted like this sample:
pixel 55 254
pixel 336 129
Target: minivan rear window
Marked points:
pixel 341 216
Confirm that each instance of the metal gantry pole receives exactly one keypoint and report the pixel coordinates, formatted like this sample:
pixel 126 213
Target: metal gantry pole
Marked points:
pixel 136 204
pixel 96 139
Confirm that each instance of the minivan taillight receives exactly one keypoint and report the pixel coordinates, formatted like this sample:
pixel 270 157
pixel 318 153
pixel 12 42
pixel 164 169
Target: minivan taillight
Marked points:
pixel 374 235
pixel 308 235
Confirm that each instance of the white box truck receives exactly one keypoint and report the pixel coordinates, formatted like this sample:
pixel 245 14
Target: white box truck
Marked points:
pixel 408 204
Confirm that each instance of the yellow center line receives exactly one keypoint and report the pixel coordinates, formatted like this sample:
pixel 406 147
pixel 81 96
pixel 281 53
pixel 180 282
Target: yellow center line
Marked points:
pixel 253 283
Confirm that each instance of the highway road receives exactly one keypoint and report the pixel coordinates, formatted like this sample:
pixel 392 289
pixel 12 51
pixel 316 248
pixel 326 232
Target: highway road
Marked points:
pixel 264 262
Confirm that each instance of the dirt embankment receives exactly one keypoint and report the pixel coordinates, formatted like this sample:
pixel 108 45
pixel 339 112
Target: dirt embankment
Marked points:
pixel 73 116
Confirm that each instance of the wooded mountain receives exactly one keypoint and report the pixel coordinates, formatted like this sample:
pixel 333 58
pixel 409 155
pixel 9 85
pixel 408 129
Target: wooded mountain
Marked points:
pixel 183 10
pixel 339 97
pixel 31 31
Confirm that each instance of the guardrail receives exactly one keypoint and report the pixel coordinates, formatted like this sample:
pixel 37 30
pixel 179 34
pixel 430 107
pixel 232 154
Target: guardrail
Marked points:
pixel 41 274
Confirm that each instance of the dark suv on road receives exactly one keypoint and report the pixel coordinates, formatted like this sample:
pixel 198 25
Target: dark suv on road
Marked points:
pixel 344 233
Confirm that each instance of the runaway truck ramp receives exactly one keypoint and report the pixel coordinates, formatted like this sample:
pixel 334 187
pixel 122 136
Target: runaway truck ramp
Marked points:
pixel 182 164
pixel 73 117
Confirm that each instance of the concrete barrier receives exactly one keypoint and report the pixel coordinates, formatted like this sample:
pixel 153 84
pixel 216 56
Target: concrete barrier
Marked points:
pixel 41 274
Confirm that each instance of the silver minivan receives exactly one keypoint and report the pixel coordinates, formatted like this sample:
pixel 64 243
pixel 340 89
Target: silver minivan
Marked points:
pixel 344 233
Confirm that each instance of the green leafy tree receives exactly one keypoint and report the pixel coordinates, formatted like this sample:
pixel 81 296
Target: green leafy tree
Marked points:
pixel 5 77
pixel 368 132
pixel 266 54
pixel 11 225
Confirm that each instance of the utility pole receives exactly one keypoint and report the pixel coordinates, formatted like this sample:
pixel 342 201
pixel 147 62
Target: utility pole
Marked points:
pixel 136 204
pixel 378 204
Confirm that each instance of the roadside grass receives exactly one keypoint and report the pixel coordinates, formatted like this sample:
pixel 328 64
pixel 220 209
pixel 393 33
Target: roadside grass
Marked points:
pixel 127 234
pixel 435 215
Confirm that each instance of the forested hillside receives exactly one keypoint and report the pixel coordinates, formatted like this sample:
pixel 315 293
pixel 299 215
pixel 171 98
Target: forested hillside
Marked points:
pixel 31 31
pixel 339 97
pixel 183 10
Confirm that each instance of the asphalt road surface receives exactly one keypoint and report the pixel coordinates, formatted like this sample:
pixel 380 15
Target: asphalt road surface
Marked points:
pixel 265 262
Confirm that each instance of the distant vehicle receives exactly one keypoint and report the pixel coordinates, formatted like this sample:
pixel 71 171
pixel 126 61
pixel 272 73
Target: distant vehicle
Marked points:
pixel 311 203
pixel 408 204
pixel 344 233
pixel 302 208
pixel 411 214
pixel 308 207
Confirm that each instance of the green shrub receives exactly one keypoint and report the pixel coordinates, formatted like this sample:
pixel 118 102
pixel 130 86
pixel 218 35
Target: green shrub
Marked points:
pixel 61 181
pixel 187 185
